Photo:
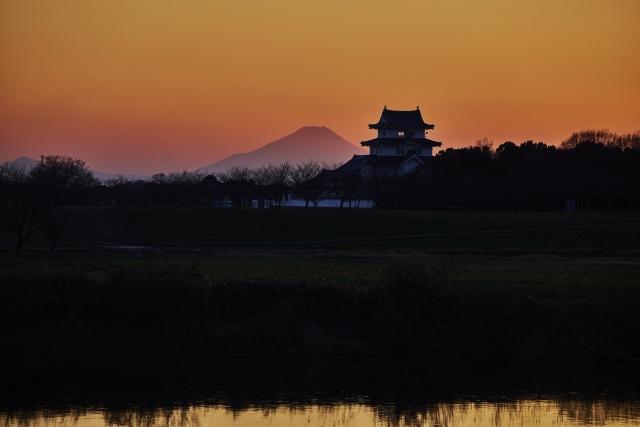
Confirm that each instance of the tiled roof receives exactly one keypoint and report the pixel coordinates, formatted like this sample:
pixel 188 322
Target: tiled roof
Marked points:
pixel 396 161
pixel 352 166
pixel 380 142
pixel 394 119
pixel 355 165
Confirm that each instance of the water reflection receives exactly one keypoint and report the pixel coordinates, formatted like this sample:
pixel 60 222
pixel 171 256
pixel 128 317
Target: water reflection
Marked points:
pixel 390 393
pixel 495 414
pixel 519 413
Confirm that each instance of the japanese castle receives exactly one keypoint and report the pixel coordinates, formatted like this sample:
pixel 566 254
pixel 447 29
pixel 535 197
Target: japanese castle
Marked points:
pixel 401 147
pixel 401 144
pixel 401 133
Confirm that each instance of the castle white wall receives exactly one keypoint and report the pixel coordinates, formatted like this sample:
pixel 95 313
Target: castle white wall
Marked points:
pixel 399 151
pixel 396 133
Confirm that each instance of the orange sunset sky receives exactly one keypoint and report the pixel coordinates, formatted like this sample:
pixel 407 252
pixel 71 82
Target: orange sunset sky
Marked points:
pixel 148 86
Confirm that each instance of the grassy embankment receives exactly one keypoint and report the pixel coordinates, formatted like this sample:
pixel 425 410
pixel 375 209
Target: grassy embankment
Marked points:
pixel 330 282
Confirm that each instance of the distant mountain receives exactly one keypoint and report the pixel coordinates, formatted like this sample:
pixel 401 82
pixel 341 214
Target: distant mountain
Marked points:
pixel 28 162
pixel 103 176
pixel 307 143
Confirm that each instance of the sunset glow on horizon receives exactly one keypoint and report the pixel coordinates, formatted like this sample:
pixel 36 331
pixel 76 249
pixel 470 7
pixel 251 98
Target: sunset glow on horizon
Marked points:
pixel 158 86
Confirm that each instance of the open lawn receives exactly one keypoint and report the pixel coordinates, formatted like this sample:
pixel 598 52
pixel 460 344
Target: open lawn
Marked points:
pixel 336 267
pixel 356 229
pixel 350 246
pixel 348 229
pixel 537 286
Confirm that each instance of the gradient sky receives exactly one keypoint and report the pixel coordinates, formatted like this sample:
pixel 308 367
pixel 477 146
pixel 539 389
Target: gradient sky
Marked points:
pixel 150 86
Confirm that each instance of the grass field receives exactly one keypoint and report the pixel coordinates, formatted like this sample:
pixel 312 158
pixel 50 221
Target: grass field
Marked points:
pixel 383 229
pixel 334 267
pixel 345 246
pixel 477 284
pixel 351 229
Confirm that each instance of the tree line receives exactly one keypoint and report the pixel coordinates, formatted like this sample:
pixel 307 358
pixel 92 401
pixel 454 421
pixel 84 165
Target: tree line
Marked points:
pixel 595 169
pixel 31 198
pixel 239 185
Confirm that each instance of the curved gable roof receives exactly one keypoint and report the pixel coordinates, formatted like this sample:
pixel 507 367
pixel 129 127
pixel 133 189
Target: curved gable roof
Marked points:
pixel 395 119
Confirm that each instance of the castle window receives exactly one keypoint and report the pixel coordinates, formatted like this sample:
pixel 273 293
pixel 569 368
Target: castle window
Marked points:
pixel 400 133
pixel 419 152
pixel 399 150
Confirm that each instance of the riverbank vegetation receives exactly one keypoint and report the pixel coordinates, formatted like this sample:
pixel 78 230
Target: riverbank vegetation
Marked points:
pixel 167 305
pixel 481 285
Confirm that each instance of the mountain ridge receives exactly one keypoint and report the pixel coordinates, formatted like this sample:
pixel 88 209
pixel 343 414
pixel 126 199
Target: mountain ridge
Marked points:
pixel 317 143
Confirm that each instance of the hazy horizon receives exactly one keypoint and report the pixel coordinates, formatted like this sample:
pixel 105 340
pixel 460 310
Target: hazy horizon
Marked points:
pixel 157 86
pixel 290 138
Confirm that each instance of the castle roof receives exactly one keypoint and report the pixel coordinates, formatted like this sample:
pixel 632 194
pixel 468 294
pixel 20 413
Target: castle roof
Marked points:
pixel 386 142
pixel 397 161
pixel 357 163
pixel 401 120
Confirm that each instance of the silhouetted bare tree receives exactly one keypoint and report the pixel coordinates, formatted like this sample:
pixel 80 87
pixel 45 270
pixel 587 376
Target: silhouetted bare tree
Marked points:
pixel 21 216
pixel 274 180
pixel 59 179
pixel 485 145
pixel 240 182
pixel 238 172
pixel 183 187
pixel 347 187
pixel 380 185
pixel 302 177
pixel 62 179
pixel 628 141
pixel 119 189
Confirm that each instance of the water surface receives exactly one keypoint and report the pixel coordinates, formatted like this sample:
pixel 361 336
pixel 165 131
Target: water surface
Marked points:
pixel 334 393
pixel 510 413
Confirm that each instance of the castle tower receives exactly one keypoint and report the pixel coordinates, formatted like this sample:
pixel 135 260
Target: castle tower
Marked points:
pixel 401 133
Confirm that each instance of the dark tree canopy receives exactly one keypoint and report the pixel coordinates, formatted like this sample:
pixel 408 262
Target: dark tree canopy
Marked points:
pixel 628 141
pixel 60 178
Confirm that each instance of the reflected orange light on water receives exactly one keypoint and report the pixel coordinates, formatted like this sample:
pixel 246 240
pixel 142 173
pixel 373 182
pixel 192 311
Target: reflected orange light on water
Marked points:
pixel 516 413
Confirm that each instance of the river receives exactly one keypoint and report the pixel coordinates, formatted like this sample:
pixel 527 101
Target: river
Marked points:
pixel 328 393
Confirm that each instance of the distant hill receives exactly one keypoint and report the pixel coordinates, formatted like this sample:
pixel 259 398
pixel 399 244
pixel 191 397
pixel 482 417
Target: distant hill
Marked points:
pixel 28 162
pixel 307 143
pixel 103 176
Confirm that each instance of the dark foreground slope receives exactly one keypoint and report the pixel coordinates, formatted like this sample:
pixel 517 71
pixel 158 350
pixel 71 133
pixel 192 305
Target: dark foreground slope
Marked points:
pixel 302 284
pixel 161 308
